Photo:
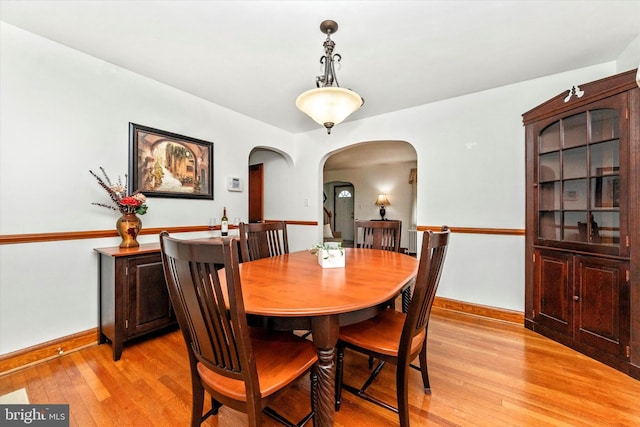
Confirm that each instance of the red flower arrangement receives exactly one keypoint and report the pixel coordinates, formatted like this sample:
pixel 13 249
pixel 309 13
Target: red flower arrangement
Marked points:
pixel 134 203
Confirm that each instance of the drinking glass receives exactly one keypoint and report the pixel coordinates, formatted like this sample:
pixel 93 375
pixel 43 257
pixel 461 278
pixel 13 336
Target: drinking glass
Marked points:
pixel 213 222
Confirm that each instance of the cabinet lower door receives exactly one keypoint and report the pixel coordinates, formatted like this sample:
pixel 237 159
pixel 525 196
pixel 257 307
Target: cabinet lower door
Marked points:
pixel 553 286
pixel 149 306
pixel 601 308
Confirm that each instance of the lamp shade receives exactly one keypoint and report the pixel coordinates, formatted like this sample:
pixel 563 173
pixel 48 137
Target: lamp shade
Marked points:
pixel 329 105
pixel 382 200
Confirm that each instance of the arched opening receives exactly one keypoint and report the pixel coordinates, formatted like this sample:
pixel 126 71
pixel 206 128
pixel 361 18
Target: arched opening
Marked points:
pixel 371 168
pixel 268 169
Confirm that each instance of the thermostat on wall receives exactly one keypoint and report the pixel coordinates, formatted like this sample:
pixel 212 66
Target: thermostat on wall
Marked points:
pixel 234 184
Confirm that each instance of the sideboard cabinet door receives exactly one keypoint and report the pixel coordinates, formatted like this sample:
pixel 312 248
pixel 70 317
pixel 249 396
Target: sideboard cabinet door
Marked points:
pixel 148 302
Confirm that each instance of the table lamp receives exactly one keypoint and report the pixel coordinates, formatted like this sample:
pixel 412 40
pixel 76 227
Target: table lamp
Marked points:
pixel 382 201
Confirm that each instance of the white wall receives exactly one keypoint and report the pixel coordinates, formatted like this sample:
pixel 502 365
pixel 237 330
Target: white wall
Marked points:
pixel 63 113
pixel 630 57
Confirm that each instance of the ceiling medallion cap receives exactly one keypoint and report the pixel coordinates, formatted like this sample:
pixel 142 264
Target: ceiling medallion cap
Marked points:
pixel 329 27
pixel 329 104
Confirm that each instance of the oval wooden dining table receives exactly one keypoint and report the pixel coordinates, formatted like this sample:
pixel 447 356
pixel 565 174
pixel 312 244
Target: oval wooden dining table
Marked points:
pixel 293 292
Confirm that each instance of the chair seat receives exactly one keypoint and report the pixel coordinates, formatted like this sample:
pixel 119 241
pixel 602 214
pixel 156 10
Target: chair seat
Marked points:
pixel 380 334
pixel 281 359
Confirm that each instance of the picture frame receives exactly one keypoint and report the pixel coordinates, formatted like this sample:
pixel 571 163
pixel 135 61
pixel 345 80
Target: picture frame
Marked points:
pixel 166 164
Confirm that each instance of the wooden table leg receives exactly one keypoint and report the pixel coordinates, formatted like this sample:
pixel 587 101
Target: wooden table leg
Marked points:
pixel 325 337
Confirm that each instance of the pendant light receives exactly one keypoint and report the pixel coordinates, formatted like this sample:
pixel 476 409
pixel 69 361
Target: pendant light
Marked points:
pixel 329 104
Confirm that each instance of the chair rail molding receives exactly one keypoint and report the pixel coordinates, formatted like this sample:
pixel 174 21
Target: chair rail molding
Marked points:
pixel 8 239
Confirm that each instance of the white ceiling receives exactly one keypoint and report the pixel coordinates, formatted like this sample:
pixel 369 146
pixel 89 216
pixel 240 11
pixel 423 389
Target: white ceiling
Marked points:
pixel 256 57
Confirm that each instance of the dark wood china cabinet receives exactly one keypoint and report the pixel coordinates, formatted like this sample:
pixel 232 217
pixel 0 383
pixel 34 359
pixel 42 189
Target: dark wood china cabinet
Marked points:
pixel 582 250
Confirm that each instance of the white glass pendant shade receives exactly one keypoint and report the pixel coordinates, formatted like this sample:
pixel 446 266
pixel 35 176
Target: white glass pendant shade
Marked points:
pixel 329 105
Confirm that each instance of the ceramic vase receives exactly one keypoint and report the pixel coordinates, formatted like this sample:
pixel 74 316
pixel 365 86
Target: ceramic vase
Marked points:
pixel 128 227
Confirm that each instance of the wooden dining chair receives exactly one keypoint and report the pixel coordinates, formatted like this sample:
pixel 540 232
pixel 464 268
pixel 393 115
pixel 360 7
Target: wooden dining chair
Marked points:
pixel 383 235
pixel 396 337
pixel 263 239
pixel 238 366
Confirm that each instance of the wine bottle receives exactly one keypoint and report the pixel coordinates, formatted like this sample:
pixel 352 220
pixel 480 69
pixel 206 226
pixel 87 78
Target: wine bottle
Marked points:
pixel 224 223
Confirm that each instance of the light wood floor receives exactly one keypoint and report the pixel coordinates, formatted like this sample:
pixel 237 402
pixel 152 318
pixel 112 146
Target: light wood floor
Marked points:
pixel 483 373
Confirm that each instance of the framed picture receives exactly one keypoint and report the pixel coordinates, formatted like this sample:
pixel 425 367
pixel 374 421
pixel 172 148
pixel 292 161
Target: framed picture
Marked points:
pixel 165 164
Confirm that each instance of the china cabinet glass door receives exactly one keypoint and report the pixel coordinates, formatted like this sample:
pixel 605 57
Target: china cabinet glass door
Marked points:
pixel 579 179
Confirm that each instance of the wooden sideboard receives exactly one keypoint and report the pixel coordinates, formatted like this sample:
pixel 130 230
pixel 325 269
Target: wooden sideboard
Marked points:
pixel 133 297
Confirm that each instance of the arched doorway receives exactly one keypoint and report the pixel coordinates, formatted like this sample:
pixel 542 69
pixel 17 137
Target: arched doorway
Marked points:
pixel 268 169
pixel 373 167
